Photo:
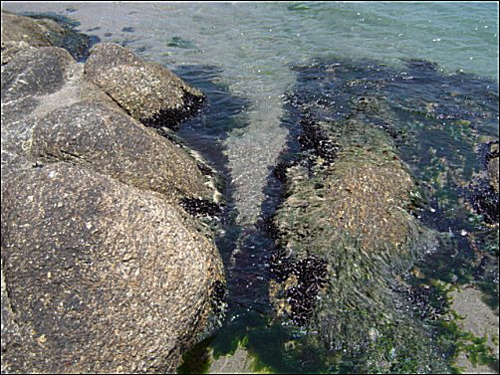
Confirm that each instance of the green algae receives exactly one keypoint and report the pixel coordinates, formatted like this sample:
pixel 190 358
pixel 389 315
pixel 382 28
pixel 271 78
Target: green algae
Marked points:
pixel 354 215
pixel 197 360
pixel 386 305
pixel 367 273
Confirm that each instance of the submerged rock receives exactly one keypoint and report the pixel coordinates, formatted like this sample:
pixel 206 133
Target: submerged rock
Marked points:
pixel 482 192
pixel 345 233
pixel 103 270
pixel 348 228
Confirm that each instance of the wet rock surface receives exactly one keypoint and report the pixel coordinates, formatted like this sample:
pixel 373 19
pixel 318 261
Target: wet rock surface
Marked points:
pixel 149 92
pixel 22 33
pixel 106 277
pixel 371 146
pixel 102 269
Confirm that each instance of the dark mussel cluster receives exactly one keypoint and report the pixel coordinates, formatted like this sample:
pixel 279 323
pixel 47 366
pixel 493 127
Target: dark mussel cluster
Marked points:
pixel 201 207
pixel 267 225
pixel 487 152
pixel 205 169
pixel 280 265
pixel 427 303
pixel 280 169
pixel 480 193
pixel 218 297
pixel 484 200
pixel 172 117
pixel 311 274
pixel 316 140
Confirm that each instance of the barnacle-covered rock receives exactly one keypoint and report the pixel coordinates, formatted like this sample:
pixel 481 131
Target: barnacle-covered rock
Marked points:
pixel 149 92
pixel 102 268
pixel 21 33
pixel 101 276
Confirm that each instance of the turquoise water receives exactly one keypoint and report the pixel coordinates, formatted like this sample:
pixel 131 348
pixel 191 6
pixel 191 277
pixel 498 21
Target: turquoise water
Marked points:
pixel 254 44
pixel 241 55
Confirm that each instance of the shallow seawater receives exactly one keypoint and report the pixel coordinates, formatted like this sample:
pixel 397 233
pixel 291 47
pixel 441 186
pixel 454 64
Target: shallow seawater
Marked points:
pixel 435 64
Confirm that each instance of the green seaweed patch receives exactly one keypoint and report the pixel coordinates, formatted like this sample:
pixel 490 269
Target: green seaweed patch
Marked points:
pixel 197 360
pixel 455 340
pixel 450 338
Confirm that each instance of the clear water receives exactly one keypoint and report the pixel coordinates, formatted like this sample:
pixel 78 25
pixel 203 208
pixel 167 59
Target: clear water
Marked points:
pixel 240 55
pixel 254 44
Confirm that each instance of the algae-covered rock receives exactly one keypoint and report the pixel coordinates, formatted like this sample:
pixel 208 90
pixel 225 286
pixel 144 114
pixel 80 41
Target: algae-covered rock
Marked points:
pixel 345 233
pixel 149 92
pixel 347 228
pixel 105 277
pixel 355 218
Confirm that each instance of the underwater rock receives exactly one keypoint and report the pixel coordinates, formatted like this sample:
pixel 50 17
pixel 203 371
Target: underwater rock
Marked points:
pixel 353 216
pixel 482 192
pixel 149 92
pixel 348 213
pixel 95 274
pixel 479 324
pixel 374 146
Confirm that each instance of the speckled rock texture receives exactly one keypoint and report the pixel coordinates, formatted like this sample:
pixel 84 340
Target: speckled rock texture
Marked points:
pixel 103 269
pixel 34 33
pixel 108 278
pixel 149 92
pixel 22 33
pixel 110 142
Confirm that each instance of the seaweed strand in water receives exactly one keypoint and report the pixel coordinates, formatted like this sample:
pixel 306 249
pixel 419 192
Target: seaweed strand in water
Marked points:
pixel 347 106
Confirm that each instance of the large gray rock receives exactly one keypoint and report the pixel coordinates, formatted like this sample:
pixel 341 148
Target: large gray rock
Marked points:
pixel 22 33
pixel 148 91
pixel 105 139
pixel 33 73
pixel 104 277
pixel 19 29
pixel 102 269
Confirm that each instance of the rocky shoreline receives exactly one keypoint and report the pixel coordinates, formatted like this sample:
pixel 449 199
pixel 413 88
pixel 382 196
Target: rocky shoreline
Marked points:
pixel 109 262
pixel 103 267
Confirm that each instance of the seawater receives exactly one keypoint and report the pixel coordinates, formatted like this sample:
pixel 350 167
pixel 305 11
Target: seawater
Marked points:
pixel 241 55
pixel 254 44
